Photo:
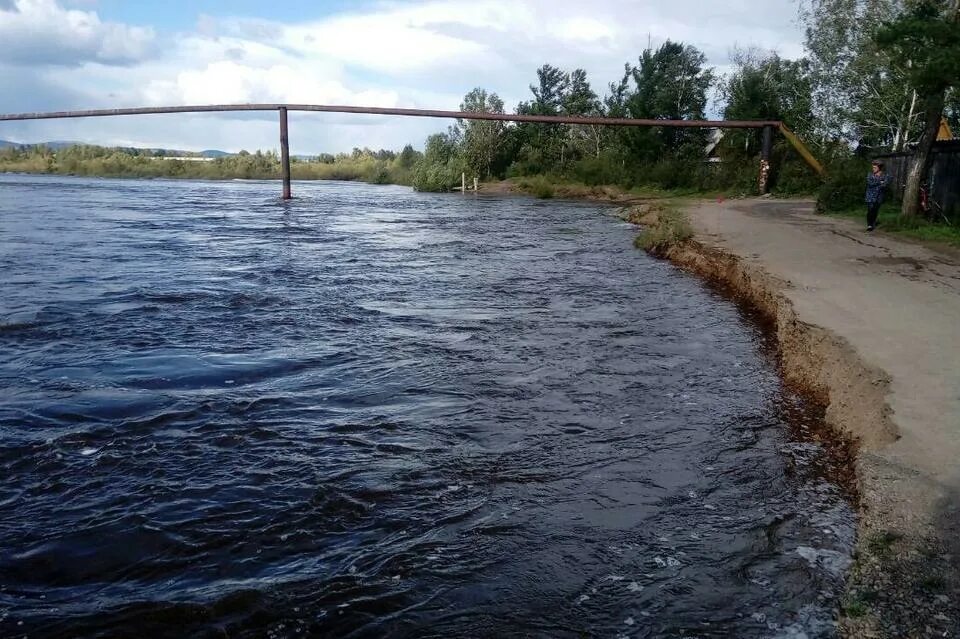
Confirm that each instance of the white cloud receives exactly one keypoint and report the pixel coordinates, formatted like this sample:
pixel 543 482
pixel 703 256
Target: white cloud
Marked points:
pixel 388 54
pixel 382 43
pixel 584 30
pixel 231 82
pixel 42 32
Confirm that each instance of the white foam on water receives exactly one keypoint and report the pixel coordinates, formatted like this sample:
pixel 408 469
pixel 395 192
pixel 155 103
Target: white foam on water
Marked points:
pixel 671 562
pixel 86 452
pixel 634 587
pixel 835 563
pixel 813 621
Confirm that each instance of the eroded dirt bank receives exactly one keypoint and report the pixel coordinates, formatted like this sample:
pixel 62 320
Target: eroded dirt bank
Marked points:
pixel 870 326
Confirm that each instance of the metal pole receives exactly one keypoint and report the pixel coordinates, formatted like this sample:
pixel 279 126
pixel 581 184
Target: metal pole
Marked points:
pixel 766 150
pixel 285 153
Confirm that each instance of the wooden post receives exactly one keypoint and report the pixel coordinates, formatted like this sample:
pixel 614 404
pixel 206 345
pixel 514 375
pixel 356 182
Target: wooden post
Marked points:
pixel 285 153
pixel 766 151
pixel 475 185
pixel 463 183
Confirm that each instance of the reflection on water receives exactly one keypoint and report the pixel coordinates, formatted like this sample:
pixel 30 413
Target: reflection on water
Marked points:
pixel 369 412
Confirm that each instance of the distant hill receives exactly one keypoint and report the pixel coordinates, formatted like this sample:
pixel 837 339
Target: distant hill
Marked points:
pixel 5 144
pixel 58 144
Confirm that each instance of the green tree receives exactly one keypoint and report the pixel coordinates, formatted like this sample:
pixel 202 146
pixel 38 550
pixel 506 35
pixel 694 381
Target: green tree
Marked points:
pixel 479 140
pixel 408 157
pixel 951 110
pixel 439 168
pixel 581 100
pixel 670 83
pixel 765 87
pixel 861 91
pixel 929 35
pixel 541 145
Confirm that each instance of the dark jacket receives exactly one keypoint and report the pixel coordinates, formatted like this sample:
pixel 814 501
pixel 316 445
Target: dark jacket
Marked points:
pixel 876 185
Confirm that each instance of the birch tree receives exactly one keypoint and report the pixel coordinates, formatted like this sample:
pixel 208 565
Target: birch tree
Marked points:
pixel 479 140
pixel 861 90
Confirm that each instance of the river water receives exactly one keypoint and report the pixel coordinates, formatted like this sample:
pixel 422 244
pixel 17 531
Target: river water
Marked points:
pixel 370 412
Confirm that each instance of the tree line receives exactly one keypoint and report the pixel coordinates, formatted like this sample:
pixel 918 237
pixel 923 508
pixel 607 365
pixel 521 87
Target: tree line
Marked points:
pixel 878 76
pixel 366 165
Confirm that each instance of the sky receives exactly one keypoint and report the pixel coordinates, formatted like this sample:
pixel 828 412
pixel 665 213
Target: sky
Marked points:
pixel 88 54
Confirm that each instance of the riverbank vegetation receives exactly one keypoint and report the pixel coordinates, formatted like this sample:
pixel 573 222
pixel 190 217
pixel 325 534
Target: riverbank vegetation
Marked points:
pixel 892 220
pixel 665 226
pixel 669 82
pixel 364 165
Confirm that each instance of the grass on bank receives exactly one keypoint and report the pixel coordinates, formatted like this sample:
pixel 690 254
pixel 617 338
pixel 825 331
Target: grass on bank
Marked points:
pixel 671 228
pixel 547 187
pixel 917 228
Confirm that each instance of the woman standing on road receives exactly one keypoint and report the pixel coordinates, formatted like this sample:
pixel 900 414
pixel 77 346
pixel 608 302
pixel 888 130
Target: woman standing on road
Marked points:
pixel 877 182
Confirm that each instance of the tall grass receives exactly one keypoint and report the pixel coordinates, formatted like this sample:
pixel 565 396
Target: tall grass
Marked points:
pixel 671 228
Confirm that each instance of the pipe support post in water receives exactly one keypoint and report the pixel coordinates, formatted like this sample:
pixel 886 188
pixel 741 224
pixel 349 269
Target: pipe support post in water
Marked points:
pixel 285 153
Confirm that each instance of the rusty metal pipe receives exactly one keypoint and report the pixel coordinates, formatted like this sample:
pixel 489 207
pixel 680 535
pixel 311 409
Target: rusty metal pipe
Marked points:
pixel 423 113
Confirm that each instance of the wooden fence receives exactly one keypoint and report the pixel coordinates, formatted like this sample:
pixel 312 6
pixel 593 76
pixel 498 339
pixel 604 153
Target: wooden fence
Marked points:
pixel 944 177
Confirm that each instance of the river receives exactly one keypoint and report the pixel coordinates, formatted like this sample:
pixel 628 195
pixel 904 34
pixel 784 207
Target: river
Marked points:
pixel 369 412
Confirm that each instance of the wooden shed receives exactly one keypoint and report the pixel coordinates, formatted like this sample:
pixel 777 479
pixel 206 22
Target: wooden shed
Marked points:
pixel 944 176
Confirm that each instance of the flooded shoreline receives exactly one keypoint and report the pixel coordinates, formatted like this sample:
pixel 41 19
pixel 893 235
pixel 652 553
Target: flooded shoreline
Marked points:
pixel 905 568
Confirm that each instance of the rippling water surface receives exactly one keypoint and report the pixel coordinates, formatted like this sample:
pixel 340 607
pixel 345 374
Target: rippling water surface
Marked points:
pixel 370 412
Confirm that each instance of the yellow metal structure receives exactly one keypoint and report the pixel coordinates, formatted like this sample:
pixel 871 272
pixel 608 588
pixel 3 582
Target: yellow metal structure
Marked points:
pixel 945 133
pixel 802 149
